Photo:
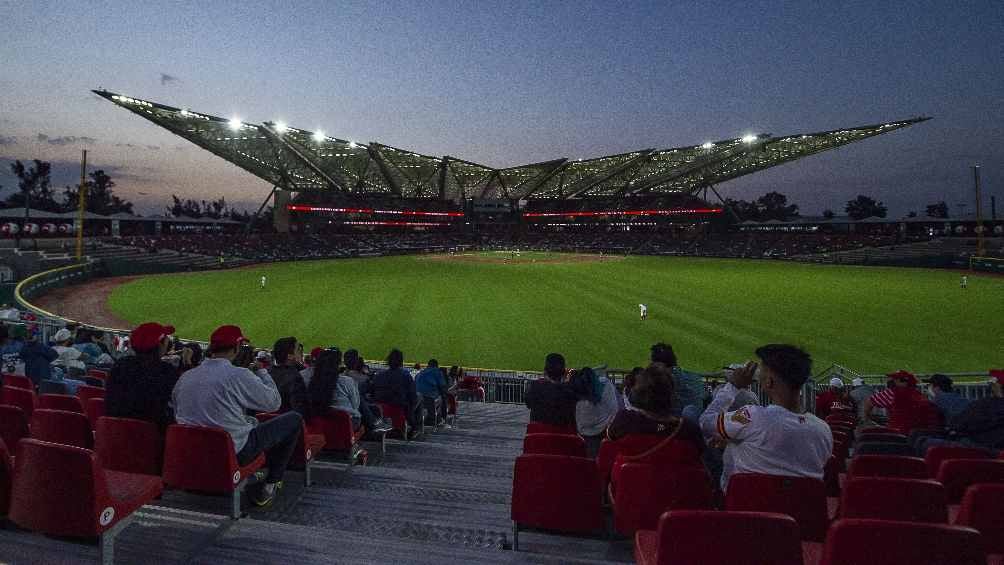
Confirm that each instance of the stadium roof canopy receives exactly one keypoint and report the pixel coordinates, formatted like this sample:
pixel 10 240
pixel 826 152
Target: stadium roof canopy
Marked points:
pixel 300 160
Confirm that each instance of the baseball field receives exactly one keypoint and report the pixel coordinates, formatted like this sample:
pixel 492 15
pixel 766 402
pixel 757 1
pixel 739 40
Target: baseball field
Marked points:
pixel 491 310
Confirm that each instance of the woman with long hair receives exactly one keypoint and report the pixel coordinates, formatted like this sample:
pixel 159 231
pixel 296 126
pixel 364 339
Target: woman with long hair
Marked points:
pixel 330 389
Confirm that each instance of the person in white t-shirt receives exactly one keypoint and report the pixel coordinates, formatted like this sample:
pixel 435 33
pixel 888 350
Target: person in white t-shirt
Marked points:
pixel 643 310
pixel 779 439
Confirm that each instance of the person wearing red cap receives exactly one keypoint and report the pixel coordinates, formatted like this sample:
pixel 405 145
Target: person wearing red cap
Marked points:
pixel 908 408
pixel 140 385
pixel 219 394
pixel 982 423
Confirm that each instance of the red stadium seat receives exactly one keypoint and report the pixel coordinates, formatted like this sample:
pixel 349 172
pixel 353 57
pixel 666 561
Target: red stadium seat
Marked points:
pixel 63 491
pixel 983 509
pixel 307 447
pixel 884 542
pixel 22 398
pixel 555 492
pixel 939 453
pixel 95 409
pixel 18 381
pixel 99 374
pixel 632 444
pixel 831 477
pixel 451 408
pixel 60 402
pixel 882 448
pixel 886 498
pixel 876 430
pixel 6 478
pixel 87 392
pixel 958 474
pixel 128 445
pixel 63 427
pixel 542 428
pixel 883 438
pixel 554 444
pixel 13 425
pixel 700 537
pixel 668 452
pixel 645 492
pixel 802 498
pixel 842 418
pixel 396 416
pixel 336 428
pixel 887 466
pixel 202 459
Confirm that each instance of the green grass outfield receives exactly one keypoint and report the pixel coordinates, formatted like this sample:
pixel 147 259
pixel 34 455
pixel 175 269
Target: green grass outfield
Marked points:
pixel 477 312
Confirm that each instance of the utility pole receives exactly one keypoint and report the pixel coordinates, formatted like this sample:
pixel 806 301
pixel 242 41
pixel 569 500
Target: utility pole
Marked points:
pixel 82 205
pixel 979 212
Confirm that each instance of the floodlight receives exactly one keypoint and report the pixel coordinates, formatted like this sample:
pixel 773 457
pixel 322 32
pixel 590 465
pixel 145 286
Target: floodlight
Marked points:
pixel 235 123
pixel 707 145
pixel 318 136
pixel 184 112
pixel 749 138
pixel 280 127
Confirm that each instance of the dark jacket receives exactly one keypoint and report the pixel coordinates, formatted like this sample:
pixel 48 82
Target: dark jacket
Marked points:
pixel 982 422
pixel 551 402
pixel 37 357
pixel 291 388
pixel 630 422
pixel 394 386
pixel 141 391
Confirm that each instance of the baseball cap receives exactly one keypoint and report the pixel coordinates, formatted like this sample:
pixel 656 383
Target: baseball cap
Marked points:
pixel 147 336
pixel 227 336
pixel 62 335
pixel 836 381
pixel 316 352
pixel 902 375
pixel 939 380
pixel 263 355
pixel 858 381
pixel 997 376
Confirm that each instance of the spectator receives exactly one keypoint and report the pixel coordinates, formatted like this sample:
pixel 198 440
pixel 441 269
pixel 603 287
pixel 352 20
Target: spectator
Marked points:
pixel 779 439
pixel 285 372
pixel 309 361
pixel 550 400
pixel 140 386
pixel 331 390
pixel 688 395
pixel 860 392
pixel 37 358
pixel 68 357
pixel 219 394
pixel 10 351
pixel 469 387
pixel 714 456
pixel 596 407
pixel 395 386
pixel 834 398
pixel 192 357
pixel 356 369
pixel 87 343
pixel 629 381
pixel 907 406
pixel 950 403
pixel 981 424
pixel 430 384
pixel 652 412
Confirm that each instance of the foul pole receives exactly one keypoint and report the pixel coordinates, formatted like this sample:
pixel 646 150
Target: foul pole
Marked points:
pixel 82 204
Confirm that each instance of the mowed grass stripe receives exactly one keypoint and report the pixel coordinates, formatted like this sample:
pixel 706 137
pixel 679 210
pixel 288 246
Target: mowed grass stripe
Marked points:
pixel 714 311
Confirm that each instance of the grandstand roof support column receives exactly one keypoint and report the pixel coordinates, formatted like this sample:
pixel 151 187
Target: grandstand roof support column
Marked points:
pixel 251 221
pixel 728 207
pixel 443 168
pixel 391 181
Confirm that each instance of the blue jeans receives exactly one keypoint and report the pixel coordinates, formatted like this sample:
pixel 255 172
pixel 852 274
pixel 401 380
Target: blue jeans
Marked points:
pixel 275 438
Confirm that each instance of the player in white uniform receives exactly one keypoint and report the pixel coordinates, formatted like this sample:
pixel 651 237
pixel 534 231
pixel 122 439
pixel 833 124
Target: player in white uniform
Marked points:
pixel 964 283
pixel 643 311
pixel 263 281
pixel 777 439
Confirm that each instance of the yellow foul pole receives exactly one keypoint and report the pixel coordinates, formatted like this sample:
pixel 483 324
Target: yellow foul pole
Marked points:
pixel 82 205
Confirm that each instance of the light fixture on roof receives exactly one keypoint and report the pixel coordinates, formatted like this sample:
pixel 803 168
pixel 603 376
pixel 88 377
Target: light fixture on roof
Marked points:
pixel 352 144
pixel 749 138
pixel 280 127
pixel 235 123
pixel 318 136
pixel 707 145
pixel 184 112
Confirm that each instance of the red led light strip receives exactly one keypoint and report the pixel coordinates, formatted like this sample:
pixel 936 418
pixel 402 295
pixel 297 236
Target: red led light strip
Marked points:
pixel 393 223
pixel 302 208
pixel 669 212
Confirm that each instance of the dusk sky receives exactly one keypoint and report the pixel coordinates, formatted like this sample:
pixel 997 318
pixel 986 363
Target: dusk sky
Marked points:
pixel 507 83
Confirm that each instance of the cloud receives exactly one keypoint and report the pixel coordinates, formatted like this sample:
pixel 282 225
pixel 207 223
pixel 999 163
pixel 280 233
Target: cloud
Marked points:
pixel 65 139
pixel 134 146
pixel 168 79
pixel 8 140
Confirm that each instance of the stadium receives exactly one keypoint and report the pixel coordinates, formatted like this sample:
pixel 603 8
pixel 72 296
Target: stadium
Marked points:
pixel 239 341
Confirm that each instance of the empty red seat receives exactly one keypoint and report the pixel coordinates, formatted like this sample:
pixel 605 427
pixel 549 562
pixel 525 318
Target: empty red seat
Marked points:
pixel 397 417
pixel 887 466
pixel 983 510
pixel 22 398
pixel 98 374
pixel 18 381
pixel 87 392
pixel 13 425
pixel 939 453
pixel 888 498
pixel 95 409
pixel 336 428
pixel 307 447
pixel 202 459
pixel 882 448
pixel 542 428
pixel 63 490
pixel 128 445
pixel 958 474
pixel 60 402
pixel 554 444
pixel 632 444
pixel 6 478
pixel 63 427
pixel 884 438
pixel 645 492
pixel 700 537
pixel 885 542
pixel 669 451
pixel 876 430
pixel 802 498
pixel 555 492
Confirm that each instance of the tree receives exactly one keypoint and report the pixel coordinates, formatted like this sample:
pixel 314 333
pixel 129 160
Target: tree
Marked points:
pixel 188 207
pixel 864 207
pixel 100 196
pixel 745 210
pixel 828 214
pixel 937 210
pixel 33 182
pixel 774 206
